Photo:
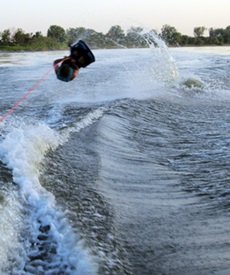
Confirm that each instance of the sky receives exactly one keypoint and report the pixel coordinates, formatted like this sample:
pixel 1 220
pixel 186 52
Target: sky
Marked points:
pixel 100 15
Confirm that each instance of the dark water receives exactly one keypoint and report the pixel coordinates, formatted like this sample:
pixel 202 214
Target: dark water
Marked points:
pixel 125 170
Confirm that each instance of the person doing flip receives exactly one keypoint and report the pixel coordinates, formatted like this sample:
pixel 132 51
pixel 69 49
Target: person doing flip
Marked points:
pixel 67 68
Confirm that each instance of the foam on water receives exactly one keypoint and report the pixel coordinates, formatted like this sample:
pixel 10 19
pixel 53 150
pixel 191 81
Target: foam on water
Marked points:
pixel 10 225
pixel 89 119
pixel 34 225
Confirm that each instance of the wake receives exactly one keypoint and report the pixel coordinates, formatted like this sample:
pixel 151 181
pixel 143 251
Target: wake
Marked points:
pixel 45 241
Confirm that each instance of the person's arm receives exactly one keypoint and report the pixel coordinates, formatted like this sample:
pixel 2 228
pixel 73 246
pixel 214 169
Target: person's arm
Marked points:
pixel 75 67
pixel 55 64
pixel 75 73
pixel 73 64
pixel 57 61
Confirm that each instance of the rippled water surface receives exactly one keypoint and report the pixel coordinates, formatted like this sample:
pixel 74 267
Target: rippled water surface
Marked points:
pixel 124 170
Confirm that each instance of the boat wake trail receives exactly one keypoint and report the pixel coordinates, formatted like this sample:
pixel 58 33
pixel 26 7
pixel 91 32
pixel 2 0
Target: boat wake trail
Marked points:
pixel 45 240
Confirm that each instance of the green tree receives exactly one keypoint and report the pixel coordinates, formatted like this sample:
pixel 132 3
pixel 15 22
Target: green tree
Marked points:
pixel 137 30
pixel 199 31
pixel 22 38
pixel 226 35
pixel 199 41
pixel 212 40
pixel 74 34
pixel 216 32
pixel 90 36
pixel 57 33
pixel 19 36
pixel 170 35
pixel 134 38
pixel 116 33
pixel 37 35
pixel 184 40
pixel 219 34
pixel 6 37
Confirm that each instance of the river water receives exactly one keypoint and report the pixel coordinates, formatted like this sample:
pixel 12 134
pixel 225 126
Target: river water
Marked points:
pixel 124 170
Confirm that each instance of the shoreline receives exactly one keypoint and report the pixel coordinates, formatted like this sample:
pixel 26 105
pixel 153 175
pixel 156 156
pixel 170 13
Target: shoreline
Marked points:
pixel 109 48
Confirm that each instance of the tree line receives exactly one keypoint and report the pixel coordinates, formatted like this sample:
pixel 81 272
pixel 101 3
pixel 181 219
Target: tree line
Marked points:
pixel 57 38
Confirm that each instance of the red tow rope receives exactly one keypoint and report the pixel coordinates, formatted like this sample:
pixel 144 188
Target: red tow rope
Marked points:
pixel 30 90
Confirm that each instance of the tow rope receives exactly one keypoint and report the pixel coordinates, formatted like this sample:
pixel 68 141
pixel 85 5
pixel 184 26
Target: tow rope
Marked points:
pixel 29 91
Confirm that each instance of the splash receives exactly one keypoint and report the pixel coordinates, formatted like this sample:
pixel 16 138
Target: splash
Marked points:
pixel 163 65
pixel 89 119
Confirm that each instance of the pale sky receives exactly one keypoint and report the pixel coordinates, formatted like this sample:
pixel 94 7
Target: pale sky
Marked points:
pixel 100 15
